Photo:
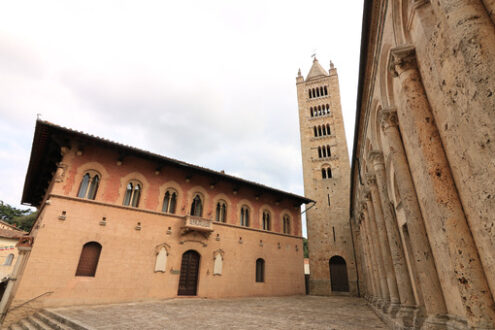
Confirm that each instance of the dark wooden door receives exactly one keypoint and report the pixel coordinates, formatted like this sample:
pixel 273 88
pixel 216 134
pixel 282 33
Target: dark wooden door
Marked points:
pixel 338 274
pixel 88 261
pixel 189 270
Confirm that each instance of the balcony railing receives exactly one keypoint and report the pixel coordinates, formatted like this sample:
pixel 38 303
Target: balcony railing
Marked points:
pixel 198 224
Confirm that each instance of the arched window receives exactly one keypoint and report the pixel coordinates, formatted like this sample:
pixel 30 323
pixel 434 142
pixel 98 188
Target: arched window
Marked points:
pixel 286 224
pixel 314 93
pixel 89 185
pixel 266 220
pixel 310 94
pixel 328 129
pixel 315 131
pixel 260 270
pixel 245 216
pixel 132 194
pixel 221 212
pixel 197 206
pixel 319 152
pixel 328 110
pixel 88 261
pixel 324 129
pixel 323 173
pixel 328 151
pixel 9 259
pixel 324 151
pixel 318 92
pixel 319 130
pixel 329 173
pixel 326 91
pixel 169 201
pixel 321 91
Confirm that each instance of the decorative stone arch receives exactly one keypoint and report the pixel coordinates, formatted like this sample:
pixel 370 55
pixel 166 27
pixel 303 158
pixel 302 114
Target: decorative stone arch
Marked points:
pixel 374 128
pixel 230 209
pixel 260 216
pixel 170 185
pixel 393 194
pixel 87 167
pixel 161 254
pixel 237 217
pixel 385 79
pixel 134 176
pixel 203 193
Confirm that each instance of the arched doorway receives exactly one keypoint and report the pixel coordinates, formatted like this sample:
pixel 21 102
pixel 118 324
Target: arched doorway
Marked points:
pixel 189 270
pixel 338 274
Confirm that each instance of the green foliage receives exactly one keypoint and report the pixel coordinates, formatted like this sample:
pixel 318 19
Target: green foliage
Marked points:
pixel 305 248
pixel 22 219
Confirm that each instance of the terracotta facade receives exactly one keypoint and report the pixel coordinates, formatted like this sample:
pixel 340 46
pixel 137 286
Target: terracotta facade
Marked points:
pixel 422 180
pixel 131 238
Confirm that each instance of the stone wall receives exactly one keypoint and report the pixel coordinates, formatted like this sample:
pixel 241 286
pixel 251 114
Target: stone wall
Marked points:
pixel 423 163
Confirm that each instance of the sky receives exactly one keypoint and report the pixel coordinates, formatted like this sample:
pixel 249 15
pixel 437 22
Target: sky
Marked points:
pixel 207 82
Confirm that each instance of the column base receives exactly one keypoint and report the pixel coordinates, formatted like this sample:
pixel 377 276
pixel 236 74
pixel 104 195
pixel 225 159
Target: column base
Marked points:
pixel 444 322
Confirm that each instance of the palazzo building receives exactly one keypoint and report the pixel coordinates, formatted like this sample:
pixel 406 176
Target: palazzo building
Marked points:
pixel 423 163
pixel 120 224
pixel 326 171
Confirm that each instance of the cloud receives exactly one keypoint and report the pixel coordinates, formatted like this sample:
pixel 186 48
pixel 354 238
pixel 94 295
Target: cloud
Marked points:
pixel 211 83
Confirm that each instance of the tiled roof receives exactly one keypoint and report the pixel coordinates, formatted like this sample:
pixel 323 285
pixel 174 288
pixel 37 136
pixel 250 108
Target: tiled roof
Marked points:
pixel 7 233
pixel 37 182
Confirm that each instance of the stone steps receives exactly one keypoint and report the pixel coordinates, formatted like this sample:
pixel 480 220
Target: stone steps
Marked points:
pixel 46 320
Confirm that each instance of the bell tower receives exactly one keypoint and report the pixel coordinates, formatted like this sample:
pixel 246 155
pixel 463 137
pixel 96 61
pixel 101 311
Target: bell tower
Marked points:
pixel 326 171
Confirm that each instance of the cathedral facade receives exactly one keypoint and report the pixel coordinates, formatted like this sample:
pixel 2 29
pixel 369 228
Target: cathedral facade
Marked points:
pixel 423 163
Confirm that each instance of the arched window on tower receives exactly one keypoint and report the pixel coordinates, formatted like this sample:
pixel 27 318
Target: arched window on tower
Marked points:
pixel 314 93
pixel 221 211
pixel 319 130
pixel 197 206
pixel 310 94
pixel 328 151
pixel 323 173
pixel 321 91
pixel 329 173
pixel 311 111
pixel 132 194
pixel 317 92
pixel 328 130
pixel 319 152
pixel 315 130
pixel 324 129
pixel 326 91
pixel 324 151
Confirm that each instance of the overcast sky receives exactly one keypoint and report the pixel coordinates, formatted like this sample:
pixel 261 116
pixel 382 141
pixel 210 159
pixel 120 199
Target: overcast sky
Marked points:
pixel 208 82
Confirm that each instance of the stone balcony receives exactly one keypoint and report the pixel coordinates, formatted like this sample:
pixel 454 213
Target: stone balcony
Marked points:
pixel 198 224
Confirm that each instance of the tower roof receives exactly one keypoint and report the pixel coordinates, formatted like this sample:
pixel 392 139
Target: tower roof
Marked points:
pixel 316 70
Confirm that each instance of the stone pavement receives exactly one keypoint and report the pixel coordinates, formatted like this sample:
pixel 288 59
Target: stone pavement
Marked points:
pixel 297 312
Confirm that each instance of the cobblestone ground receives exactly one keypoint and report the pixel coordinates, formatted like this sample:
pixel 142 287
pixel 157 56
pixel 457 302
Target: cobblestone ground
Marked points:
pixel 299 312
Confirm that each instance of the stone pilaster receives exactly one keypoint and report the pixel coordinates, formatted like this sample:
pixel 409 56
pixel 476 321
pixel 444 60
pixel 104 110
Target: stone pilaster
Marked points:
pixel 383 242
pixel 396 250
pixel 453 246
pixel 366 269
pixel 422 256
pixel 371 266
pixel 375 247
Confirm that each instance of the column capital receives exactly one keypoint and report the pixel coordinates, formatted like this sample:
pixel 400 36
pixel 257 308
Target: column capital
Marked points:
pixel 376 157
pixel 367 196
pixel 370 179
pixel 401 58
pixel 363 206
pixel 388 117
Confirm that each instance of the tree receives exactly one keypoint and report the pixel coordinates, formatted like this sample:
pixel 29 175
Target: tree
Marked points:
pixel 22 219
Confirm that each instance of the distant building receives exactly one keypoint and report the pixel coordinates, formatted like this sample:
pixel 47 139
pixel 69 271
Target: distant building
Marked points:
pixel 326 170
pixel 120 224
pixel 9 236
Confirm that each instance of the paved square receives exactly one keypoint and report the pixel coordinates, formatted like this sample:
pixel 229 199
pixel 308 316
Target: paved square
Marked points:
pixel 298 312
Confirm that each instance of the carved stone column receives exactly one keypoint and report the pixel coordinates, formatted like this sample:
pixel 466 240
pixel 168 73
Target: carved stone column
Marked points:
pixel 461 274
pixel 396 249
pixel 383 241
pixel 375 247
pixel 367 269
pixel 423 258
pixel 372 266
pixel 468 120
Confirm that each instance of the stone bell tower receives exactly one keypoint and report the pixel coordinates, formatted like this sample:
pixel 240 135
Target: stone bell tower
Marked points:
pixel 326 172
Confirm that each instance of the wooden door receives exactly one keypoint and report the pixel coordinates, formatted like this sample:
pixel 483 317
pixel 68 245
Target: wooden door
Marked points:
pixel 338 274
pixel 189 270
